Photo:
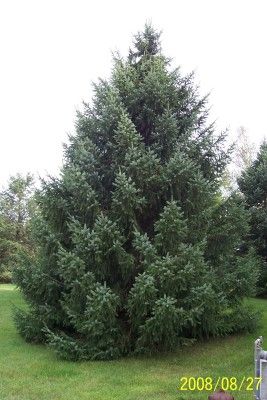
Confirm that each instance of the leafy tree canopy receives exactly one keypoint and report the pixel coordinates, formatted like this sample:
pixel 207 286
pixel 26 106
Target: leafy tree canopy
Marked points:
pixel 16 207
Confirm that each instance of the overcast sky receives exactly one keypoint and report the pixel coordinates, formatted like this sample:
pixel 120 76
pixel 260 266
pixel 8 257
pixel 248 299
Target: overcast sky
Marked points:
pixel 51 51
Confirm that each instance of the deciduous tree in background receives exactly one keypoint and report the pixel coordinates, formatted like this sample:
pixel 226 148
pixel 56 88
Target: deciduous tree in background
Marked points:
pixel 242 155
pixel 138 252
pixel 16 206
pixel 244 151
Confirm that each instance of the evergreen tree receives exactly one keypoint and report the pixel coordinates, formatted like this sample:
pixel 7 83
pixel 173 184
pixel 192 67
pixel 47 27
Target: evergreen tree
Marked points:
pixel 126 261
pixel 253 184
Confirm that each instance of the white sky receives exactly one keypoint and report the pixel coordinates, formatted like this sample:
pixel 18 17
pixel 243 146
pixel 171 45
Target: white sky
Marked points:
pixel 52 50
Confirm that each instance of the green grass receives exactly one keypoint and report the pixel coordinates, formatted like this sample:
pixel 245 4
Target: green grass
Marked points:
pixel 32 372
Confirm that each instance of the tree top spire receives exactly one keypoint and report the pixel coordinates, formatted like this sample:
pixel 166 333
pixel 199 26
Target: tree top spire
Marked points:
pixel 146 43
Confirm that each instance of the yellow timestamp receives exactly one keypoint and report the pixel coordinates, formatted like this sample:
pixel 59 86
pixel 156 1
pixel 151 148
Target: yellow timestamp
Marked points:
pixel 222 382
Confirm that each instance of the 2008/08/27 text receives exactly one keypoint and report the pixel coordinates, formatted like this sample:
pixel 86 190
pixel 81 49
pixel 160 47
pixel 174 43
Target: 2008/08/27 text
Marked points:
pixel 212 384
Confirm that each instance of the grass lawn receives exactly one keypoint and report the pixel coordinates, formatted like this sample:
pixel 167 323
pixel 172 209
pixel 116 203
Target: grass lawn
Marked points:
pixel 32 372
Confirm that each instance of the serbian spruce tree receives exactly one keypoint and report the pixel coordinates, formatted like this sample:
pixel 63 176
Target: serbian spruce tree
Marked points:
pixel 127 235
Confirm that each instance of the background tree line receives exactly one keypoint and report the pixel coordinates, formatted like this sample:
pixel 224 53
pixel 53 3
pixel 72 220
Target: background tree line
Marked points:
pixel 17 207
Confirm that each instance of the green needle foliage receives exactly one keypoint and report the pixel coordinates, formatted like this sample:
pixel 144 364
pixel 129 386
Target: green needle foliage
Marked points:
pixel 253 184
pixel 137 252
